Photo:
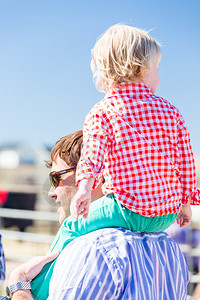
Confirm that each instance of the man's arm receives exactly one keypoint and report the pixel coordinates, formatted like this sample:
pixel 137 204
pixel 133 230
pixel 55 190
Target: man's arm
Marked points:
pixel 22 295
pixel 28 271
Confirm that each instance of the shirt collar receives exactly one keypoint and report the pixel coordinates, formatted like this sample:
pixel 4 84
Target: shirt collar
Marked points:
pixel 129 88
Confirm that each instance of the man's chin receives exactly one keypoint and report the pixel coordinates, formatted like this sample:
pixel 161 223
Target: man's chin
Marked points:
pixel 62 215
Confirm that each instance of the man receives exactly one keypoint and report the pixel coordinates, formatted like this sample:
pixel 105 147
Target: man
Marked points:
pixel 109 263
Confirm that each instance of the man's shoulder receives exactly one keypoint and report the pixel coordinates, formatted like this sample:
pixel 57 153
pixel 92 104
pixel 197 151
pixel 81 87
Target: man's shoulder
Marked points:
pixel 110 237
pixel 110 261
pixel 118 242
pixel 115 231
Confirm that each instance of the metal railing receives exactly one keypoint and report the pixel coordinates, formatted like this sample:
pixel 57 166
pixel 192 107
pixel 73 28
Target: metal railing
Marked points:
pixel 29 215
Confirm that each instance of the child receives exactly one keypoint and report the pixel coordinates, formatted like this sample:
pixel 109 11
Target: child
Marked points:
pixel 138 141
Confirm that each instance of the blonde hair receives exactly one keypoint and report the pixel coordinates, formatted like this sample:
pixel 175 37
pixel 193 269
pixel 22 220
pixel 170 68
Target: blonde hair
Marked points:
pixel 121 54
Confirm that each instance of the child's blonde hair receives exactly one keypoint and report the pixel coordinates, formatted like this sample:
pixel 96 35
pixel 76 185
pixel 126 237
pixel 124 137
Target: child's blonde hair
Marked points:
pixel 121 54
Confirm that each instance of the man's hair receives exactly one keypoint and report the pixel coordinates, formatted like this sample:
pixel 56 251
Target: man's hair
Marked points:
pixel 68 148
pixel 121 54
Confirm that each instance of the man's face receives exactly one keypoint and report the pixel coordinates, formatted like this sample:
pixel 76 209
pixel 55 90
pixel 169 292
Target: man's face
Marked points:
pixel 64 193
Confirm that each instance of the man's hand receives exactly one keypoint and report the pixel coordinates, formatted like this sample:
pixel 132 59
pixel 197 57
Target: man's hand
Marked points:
pixel 28 271
pixel 82 199
pixel 185 216
pixel 31 268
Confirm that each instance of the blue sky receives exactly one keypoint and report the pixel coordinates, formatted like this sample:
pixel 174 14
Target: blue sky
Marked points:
pixel 46 85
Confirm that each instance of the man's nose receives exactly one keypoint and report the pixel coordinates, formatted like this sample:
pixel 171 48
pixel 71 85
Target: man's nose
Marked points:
pixel 51 193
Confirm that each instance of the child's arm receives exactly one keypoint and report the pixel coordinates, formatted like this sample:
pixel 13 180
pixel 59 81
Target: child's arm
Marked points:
pixel 97 137
pixel 81 201
pixel 185 216
pixel 186 165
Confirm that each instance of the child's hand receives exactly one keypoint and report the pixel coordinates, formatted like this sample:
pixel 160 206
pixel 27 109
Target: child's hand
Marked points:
pixel 80 204
pixel 185 216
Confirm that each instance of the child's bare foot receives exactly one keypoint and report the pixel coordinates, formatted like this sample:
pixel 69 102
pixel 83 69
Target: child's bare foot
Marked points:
pixel 185 216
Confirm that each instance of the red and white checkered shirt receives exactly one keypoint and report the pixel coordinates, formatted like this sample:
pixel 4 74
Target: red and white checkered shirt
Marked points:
pixel 141 145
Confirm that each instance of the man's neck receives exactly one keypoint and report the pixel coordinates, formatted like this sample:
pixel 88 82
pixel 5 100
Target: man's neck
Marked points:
pixel 97 193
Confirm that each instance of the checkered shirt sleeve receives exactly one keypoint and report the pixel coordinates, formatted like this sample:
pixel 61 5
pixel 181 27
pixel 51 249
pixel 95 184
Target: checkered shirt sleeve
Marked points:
pixel 141 145
pixel 187 173
pixel 95 143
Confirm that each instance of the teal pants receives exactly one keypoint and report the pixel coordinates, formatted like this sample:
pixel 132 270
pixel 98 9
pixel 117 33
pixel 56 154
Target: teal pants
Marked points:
pixel 104 212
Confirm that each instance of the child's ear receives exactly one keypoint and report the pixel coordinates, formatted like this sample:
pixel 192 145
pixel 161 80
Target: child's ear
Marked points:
pixel 142 72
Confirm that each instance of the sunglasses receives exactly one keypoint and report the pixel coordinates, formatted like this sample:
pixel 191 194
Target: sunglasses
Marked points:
pixel 55 177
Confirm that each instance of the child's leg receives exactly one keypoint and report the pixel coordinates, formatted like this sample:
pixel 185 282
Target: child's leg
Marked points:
pixel 161 223
pixel 104 212
pixel 108 212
